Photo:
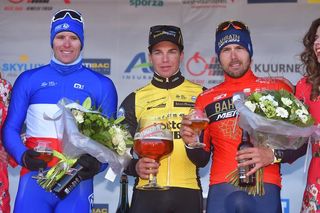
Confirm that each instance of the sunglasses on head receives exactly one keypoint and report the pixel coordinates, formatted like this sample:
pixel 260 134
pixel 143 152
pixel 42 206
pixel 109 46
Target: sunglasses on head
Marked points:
pixel 155 30
pixel 72 14
pixel 235 24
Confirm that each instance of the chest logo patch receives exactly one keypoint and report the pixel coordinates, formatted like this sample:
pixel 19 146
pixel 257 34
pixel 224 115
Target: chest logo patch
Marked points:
pixel 78 86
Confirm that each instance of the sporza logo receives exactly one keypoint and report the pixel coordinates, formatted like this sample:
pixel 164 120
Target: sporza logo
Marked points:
pixel 146 3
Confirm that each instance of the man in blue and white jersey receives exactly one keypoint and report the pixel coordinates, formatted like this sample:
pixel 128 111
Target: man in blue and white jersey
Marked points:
pixel 36 92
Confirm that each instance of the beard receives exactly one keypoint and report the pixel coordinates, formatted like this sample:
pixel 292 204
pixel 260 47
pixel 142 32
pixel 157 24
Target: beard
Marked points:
pixel 237 73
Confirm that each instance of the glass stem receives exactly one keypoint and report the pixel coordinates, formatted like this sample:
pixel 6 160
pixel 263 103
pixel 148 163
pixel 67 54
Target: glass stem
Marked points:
pixel 197 138
pixel 152 179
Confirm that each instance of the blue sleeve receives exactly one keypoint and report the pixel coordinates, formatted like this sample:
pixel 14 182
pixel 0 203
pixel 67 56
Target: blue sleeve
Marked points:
pixel 110 99
pixel 15 119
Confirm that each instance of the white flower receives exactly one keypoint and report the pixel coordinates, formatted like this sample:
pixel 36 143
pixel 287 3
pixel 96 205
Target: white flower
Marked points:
pixel 282 112
pixel 300 112
pixel 117 135
pixel 262 106
pixel 304 110
pixel 250 105
pixel 303 118
pixel 286 101
pixel 78 115
pixel 269 98
pixel 302 107
pixel 121 149
pixel 119 139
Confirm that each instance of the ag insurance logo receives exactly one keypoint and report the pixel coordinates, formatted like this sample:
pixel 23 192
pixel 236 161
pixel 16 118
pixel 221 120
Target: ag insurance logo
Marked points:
pixel 138 68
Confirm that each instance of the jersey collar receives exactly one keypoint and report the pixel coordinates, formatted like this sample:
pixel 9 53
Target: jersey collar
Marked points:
pixel 66 68
pixel 167 83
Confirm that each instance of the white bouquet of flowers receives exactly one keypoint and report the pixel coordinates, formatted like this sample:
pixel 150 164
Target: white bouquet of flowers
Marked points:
pixel 275 118
pixel 83 130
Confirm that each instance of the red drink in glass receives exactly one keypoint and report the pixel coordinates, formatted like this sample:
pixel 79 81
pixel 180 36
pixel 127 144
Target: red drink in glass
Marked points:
pixel 154 148
pixel 199 124
pixel 45 155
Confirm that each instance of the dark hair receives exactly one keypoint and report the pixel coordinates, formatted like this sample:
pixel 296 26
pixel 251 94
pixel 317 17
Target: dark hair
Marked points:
pixel 310 61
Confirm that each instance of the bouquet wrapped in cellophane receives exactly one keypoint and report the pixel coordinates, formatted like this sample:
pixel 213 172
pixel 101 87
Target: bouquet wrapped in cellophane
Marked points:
pixel 82 130
pixel 276 119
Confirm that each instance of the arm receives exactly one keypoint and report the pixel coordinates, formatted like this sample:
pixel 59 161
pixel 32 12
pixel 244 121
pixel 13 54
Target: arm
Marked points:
pixel 127 109
pixel 199 157
pixel 3 155
pixel 17 111
pixel 5 98
pixel 108 99
pixel 131 168
pixel 264 156
pixel 289 155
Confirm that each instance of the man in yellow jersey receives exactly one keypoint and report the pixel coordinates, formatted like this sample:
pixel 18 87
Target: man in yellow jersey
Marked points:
pixel 168 95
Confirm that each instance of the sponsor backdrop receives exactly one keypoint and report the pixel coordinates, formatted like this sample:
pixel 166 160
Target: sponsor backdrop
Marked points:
pixel 116 34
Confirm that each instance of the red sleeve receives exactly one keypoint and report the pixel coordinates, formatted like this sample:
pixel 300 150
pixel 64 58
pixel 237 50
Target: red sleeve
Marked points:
pixel 5 99
pixel 285 84
pixel 303 90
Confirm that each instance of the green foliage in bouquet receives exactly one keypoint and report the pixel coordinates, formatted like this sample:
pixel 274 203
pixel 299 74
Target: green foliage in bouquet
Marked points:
pixel 106 131
pixel 53 175
pixel 280 105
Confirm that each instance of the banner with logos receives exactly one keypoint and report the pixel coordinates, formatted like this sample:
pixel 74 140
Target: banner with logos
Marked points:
pixel 116 39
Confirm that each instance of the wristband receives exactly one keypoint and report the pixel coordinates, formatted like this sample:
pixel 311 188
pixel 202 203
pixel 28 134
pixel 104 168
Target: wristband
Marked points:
pixel 277 155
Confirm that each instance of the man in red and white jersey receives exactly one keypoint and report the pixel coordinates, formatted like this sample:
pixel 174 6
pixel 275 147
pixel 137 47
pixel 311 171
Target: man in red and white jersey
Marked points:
pixel 233 47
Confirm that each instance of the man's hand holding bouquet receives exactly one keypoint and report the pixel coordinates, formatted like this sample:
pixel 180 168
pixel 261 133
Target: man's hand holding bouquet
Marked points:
pixel 87 137
pixel 274 119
